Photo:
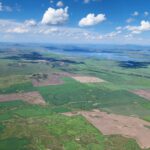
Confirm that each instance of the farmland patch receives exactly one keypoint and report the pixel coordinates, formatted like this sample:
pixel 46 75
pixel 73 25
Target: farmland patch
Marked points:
pixel 87 79
pixel 30 97
pixel 45 80
pixel 143 93
pixel 112 124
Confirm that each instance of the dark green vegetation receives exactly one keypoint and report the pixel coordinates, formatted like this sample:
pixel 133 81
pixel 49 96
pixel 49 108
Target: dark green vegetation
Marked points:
pixel 74 95
pixel 13 144
pixel 31 127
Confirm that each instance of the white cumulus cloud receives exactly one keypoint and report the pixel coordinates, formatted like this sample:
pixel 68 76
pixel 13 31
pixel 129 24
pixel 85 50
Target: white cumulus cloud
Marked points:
pixel 92 19
pixel 60 4
pixel 30 22
pixel 55 16
pixel 144 26
pixel 18 30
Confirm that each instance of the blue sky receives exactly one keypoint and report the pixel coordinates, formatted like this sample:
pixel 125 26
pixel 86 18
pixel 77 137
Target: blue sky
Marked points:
pixel 75 21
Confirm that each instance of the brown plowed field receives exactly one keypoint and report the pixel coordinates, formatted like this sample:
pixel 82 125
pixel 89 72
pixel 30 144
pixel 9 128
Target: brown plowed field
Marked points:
pixel 87 79
pixel 30 97
pixel 143 93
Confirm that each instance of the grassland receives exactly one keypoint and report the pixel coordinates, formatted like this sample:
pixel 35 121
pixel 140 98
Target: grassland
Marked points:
pixel 33 127
pixel 53 131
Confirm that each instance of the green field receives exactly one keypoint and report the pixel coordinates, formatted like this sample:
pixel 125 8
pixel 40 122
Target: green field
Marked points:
pixel 32 127
pixel 55 131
